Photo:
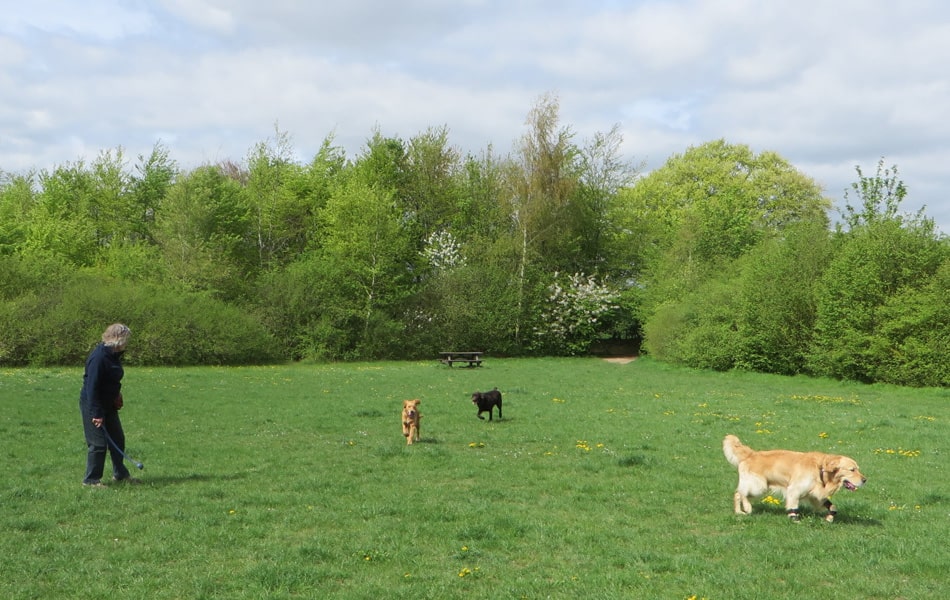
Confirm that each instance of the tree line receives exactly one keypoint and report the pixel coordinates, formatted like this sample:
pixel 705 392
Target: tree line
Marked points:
pixel 722 258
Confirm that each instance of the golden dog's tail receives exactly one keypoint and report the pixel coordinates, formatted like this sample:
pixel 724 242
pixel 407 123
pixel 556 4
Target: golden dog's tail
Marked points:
pixel 735 450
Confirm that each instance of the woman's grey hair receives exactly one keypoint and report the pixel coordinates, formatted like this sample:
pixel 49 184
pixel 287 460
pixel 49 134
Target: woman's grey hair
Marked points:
pixel 116 335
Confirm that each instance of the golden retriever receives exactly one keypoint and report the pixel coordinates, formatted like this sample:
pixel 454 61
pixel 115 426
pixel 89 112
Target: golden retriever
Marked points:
pixel 815 476
pixel 410 420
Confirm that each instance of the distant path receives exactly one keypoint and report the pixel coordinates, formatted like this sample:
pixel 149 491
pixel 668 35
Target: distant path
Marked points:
pixel 621 359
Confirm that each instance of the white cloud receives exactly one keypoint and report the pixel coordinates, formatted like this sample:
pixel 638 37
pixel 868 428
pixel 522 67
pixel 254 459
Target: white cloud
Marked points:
pixel 107 20
pixel 203 15
pixel 826 85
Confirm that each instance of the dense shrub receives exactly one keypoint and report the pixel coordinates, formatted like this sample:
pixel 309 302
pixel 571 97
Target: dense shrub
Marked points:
pixel 317 312
pixel 777 301
pixel 663 331
pixel 198 330
pixel 59 324
pixel 473 307
pixel 700 330
pixel 911 343
pixel 871 265
pixel 25 274
pixel 712 341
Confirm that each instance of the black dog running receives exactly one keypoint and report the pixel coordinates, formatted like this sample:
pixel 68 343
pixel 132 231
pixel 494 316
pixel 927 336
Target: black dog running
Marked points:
pixel 486 401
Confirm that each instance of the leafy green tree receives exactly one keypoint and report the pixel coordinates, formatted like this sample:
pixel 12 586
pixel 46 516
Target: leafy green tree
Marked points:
pixel 880 197
pixel 911 339
pixel 480 215
pixel 699 329
pixel 17 201
pixel 132 261
pixel 542 180
pixel 433 187
pixel 363 262
pixel 473 305
pixel 465 295
pixel 155 174
pixel 60 224
pixel 724 199
pixel 317 182
pixel 22 275
pixel 776 289
pixel 878 257
pixel 124 209
pixel 640 229
pixel 384 164
pixel 82 211
pixel 291 304
pixel 204 229
pixel 603 173
pixel 108 205
pixel 282 219
pixel 699 214
pixel 869 267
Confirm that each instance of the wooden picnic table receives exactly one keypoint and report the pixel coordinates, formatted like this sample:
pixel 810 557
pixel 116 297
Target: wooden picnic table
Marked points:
pixel 474 359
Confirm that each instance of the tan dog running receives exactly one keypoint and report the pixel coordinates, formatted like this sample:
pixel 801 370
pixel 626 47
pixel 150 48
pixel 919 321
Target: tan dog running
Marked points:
pixel 410 420
pixel 815 476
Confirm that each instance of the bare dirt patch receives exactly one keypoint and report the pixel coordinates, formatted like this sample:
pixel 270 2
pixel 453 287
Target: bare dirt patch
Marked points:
pixel 621 360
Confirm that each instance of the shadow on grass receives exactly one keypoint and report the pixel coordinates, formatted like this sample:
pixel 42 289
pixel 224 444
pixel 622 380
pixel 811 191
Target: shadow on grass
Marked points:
pixel 842 518
pixel 633 460
pixel 425 440
pixel 846 519
pixel 165 480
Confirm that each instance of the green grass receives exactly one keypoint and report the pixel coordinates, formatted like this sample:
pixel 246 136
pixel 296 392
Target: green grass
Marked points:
pixel 603 481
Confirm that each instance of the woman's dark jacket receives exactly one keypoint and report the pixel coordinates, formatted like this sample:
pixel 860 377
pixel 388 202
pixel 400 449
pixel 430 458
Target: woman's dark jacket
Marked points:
pixel 101 382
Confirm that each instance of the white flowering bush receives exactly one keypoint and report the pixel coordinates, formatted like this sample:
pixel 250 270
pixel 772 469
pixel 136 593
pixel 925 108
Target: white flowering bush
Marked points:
pixel 443 251
pixel 572 315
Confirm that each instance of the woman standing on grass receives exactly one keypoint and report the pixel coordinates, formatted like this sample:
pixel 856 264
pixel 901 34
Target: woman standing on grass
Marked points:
pixel 100 401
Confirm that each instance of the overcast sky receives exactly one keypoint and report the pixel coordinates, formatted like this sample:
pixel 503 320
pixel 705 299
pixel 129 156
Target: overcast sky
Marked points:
pixel 826 84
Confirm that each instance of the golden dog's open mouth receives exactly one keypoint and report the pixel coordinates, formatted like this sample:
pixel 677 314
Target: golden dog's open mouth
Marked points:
pixel 850 486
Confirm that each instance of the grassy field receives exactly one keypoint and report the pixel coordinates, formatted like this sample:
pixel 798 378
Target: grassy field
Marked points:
pixel 603 480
